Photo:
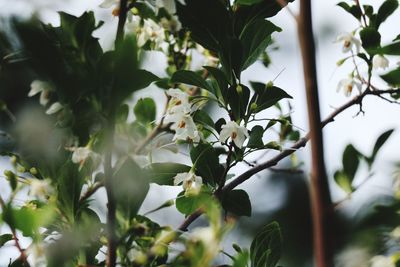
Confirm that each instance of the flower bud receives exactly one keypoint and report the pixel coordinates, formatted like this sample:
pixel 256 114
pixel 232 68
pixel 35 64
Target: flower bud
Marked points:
pixel 33 171
pixel 239 89
pixel 253 106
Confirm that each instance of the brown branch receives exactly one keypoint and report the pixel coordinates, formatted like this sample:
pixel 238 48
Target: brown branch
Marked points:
pixel 321 203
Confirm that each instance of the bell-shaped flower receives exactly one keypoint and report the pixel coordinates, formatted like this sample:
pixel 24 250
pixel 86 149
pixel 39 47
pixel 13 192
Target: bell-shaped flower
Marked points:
pixel 179 102
pixel 42 87
pixel 191 183
pixel 236 133
pixel 81 154
pixel 184 127
pixel 348 41
pixel 111 3
pixel 54 108
pixel 380 61
pixel 346 85
pixel 151 31
pixel 40 189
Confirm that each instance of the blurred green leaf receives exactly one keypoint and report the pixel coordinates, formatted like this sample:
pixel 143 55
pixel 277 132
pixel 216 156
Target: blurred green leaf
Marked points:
pixel 378 145
pixel 392 77
pixel 344 181
pixel 370 38
pixel 145 110
pixel 265 250
pixel 200 116
pixel 352 9
pixel 385 10
pixel 189 204
pixel 247 2
pixel 191 78
pixel 5 238
pixel 122 113
pixel 350 161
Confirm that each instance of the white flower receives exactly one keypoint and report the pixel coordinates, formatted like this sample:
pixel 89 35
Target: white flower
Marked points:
pixel 207 236
pixel 347 86
pixel 151 31
pixel 349 41
pixel 184 127
pixel 232 130
pixel 168 5
pixel 40 189
pixel 353 257
pixel 81 154
pixel 179 102
pixel 382 261
pixel 380 62
pixel 54 108
pixel 395 233
pixel 43 88
pixel 191 183
pixel 111 3
pixel 133 25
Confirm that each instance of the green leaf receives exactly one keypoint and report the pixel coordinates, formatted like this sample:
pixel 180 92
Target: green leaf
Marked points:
pixel 237 202
pixel 247 2
pixel 378 145
pixel 145 110
pixel 370 38
pixel 350 160
pixel 192 78
pixel 238 99
pixel 392 77
pixel 353 9
pixel 343 181
pixel 266 96
pixel 122 113
pixel 206 162
pixel 265 250
pixel 189 204
pixel 391 49
pixel 385 10
pixel 256 135
pixel 5 238
pixel 164 173
pixel 368 10
pixel 255 38
pixel 130 184
pixel 200 116
pixel 221 79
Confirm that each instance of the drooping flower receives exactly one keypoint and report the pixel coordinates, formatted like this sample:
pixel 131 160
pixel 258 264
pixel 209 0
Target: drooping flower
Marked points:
pixel 54 108
pixel 236 133
pixel 346 85
pixel 111 3
pixel 81 154
pixel 191 183
pixel 380 61
pixel 184 127
pixel 382 261
pixel 349 41
pixel 210 241
pixel 40 189
pixel 151 31
pixel 179 102
pixel 42 87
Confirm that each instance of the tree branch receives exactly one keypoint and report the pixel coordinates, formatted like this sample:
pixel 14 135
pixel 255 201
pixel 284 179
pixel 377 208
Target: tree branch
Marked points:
pixel 321 203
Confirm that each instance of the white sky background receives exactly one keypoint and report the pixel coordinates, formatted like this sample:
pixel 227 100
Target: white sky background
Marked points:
pixel 329 21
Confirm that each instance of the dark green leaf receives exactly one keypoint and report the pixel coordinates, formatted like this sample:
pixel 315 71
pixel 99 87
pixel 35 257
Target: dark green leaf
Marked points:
pixel 266 96
pixel 379 143
pixel 122 113
pixel 353 9
pixel 237 202
pixel 255 38
pixel 265 250
pixel 191 78
pixel 189 204
pixel 145 110
pixel 5 238
pixel 368 10
pixel 350 160
pixel 391 49
pixel 206 162
pixel 221 79
pixel 247 2
pixel 385 10
pixel 200 116
pixel 392 77
pixel 238 99
pixel 164 173
pixel 370 38
pixel 256 137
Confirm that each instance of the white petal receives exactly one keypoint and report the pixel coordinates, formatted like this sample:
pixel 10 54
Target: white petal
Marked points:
pixel 108 3
pixel 180 177
pixel 54 108
pixel 44 97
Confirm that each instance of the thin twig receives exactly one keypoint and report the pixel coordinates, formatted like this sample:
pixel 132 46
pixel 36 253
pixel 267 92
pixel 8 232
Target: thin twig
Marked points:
pixel 91 191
